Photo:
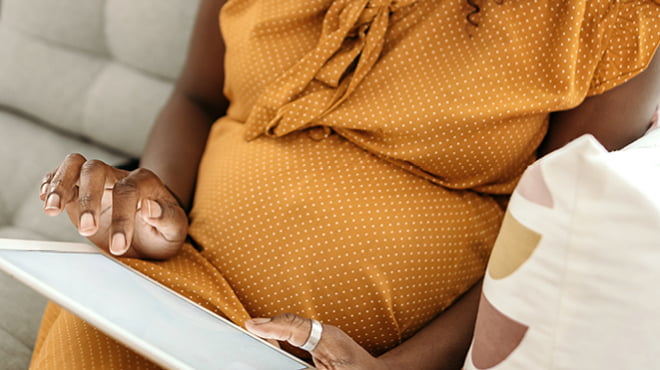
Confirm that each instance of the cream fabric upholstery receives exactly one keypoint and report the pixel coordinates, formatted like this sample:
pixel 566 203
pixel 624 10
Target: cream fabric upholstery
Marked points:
pixel 84 76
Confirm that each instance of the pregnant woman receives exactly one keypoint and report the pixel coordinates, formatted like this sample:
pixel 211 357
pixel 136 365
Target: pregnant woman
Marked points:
pixel 348 161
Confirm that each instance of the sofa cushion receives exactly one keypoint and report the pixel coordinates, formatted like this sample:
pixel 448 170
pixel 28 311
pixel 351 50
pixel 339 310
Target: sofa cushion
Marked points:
pixel 71 24
pixel 27 154
pixel 120 106
pixel 96 69
pixel 45 80
pixel 149 35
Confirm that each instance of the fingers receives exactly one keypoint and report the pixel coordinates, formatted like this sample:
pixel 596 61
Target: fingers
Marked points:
pixel 335 349
pixel 125 197
pixel 166 216
pixel 287 327
pixel 45 185
pixel 77 185
pixel 60 187
pixel 90 193
pixel 130 214
pixel 161 224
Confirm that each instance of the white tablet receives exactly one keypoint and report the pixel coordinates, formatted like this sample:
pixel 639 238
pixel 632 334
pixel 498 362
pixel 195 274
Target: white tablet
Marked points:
pixel 151 319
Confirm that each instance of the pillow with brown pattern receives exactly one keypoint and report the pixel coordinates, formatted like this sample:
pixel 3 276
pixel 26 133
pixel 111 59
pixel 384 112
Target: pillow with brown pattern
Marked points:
pixel 573 281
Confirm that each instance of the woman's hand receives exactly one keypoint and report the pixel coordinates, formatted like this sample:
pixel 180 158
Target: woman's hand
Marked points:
pixel 130 214
pixel 335 349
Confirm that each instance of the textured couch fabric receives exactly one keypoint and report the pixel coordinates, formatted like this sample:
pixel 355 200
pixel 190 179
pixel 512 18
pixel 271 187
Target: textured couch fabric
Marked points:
pixel 85 76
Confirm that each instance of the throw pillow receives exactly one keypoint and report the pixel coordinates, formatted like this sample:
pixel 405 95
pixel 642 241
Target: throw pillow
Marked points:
pixel 574 278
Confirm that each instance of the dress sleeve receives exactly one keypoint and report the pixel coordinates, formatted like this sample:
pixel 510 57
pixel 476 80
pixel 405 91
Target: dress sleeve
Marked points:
pixel 631 41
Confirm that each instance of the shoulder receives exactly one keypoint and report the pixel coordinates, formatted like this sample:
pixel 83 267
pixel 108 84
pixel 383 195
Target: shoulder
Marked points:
pixel 615 117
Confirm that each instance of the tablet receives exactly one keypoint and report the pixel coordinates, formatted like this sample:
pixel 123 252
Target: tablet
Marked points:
pixel 146 316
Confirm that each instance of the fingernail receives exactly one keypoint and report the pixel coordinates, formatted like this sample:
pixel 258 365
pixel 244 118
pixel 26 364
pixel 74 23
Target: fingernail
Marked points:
pixel 53 201
pixel 153 209
pixel 44 188
pixel 87 223
pixel 259 320
pixel 118 244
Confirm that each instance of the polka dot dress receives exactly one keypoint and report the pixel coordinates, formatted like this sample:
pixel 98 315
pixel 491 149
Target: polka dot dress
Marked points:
pixel 354 178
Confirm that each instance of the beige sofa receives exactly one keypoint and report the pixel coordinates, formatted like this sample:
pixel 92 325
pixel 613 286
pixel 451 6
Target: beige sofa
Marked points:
pixel 84 76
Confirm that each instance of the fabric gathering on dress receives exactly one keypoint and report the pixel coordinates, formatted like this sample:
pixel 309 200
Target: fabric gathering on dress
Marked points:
pixel 359 173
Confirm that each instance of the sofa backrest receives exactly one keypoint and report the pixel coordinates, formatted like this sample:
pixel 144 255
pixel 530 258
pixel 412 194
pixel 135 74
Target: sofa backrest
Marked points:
pixel 100 69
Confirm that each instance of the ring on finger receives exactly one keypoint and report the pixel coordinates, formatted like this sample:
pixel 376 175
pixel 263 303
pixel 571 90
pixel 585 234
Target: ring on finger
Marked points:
pixel 314 336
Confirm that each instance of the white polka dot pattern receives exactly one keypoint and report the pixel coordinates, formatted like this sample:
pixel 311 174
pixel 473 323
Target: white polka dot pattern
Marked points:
pixel 327 230
pixel 378 221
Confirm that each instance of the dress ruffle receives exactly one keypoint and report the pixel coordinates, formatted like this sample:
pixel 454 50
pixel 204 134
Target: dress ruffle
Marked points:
pixel 630 43
pixel 352 38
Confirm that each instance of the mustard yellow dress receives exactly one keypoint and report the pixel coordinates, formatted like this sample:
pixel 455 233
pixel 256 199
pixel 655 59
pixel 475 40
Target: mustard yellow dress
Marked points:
pixel 356 176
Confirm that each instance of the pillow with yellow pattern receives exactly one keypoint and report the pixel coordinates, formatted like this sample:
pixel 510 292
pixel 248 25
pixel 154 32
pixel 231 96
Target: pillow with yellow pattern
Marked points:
pixel 574 278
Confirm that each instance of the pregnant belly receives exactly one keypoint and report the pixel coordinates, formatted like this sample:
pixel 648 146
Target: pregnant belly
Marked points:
pixel 327 230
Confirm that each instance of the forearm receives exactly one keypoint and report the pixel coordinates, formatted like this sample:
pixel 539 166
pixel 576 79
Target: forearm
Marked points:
pixel 444 342
pixel 176 144
pixel 177 140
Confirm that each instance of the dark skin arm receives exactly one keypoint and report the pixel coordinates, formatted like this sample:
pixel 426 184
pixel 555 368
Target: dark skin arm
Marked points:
pixel 442 344
pixel 179 135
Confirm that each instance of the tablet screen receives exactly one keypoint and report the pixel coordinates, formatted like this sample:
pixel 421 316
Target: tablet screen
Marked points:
pixel 149 318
